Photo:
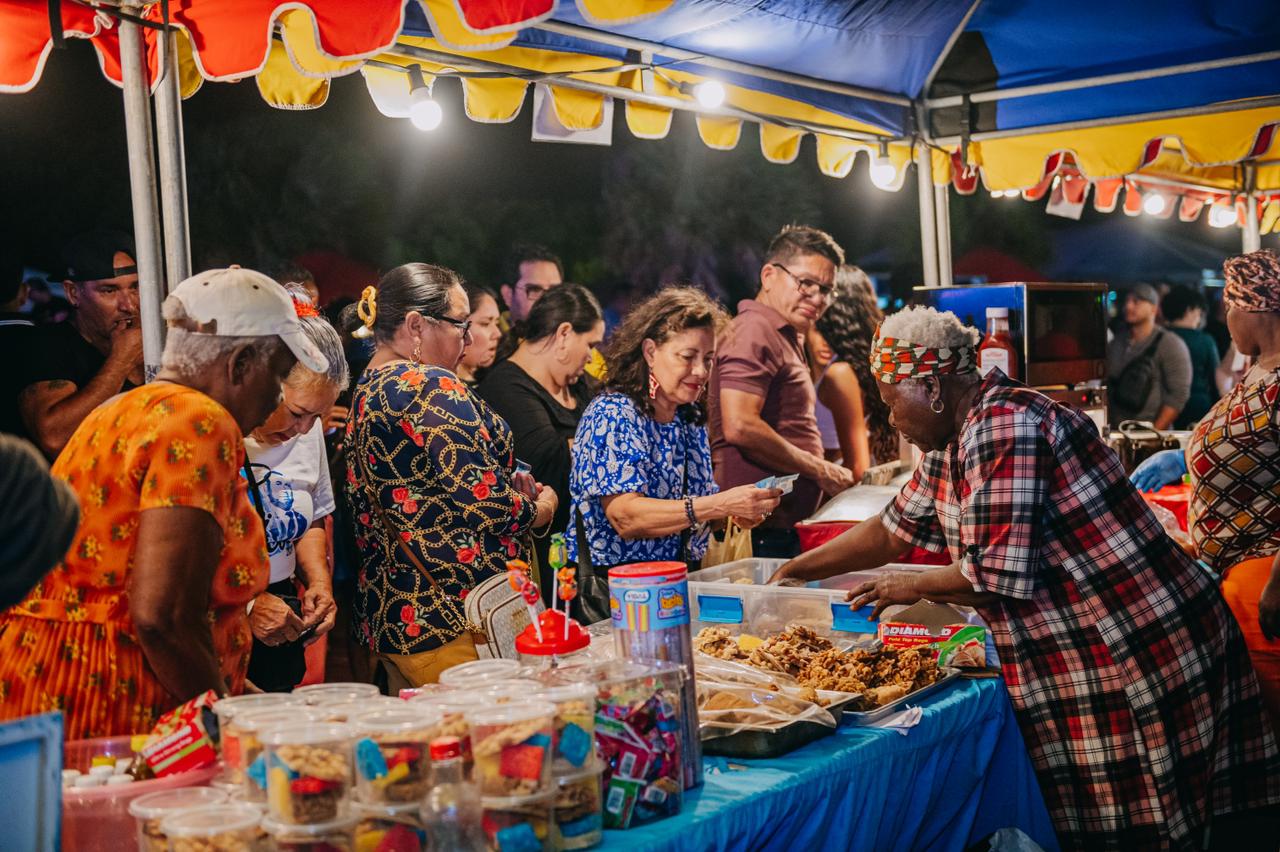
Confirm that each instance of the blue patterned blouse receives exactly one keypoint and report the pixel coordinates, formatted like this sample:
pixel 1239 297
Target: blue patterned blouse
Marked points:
pixel 620 450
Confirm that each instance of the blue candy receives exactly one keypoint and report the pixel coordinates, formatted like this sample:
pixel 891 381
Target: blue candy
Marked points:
pixel 369 759
pixel 583 825
pixel 518 838
pixel 540 740
pixel 257 772
pixel 575 744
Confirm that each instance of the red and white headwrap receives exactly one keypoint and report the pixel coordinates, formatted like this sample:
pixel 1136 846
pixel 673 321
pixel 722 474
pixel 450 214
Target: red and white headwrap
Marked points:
pixel 895 360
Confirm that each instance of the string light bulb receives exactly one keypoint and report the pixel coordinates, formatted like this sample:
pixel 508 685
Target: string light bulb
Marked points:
pixel 425 112
pixel 1222 215
pixel 710 94
pixel 1153 203
pixel 881 171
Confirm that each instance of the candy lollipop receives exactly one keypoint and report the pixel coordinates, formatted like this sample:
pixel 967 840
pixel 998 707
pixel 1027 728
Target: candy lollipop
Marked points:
pixel 518 577
pixel 566 577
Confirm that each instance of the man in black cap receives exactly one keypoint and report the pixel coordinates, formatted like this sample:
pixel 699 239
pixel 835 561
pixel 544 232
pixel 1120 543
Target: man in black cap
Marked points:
pixel 78 365
pixel 1148 367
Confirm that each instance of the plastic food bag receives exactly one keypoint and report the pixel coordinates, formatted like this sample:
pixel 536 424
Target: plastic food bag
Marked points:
pixel 1172 528
pixel 730 673
pixel 724 709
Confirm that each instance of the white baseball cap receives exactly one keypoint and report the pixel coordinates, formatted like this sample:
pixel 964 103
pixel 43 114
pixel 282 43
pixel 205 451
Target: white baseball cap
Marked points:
pixel 237 302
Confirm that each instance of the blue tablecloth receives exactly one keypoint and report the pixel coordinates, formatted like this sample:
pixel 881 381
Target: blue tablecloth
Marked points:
pixel 958 776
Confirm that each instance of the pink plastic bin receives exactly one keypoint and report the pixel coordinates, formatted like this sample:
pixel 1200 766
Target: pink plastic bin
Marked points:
pixel 96 819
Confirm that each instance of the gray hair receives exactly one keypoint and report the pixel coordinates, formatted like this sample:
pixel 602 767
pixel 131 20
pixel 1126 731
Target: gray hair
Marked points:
pixel 326 339
pixel 929 327
pixel 190 353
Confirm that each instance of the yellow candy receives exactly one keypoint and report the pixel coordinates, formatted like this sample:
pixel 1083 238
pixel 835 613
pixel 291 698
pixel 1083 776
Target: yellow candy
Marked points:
pixel 400 770
pixel 369 841
pixel 749 643
pixel 103 760
pixel 278 792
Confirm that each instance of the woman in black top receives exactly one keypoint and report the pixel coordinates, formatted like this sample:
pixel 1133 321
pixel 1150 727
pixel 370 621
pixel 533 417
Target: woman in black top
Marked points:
pixel 541 392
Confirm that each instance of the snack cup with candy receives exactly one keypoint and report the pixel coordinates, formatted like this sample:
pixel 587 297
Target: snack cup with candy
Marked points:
pixel 578 822
pixel 390 829
pixel 151 810
pixel 348 711
pixel 518 823
pixel 392 763
pixel 453 708
pixel 575 726
pixel 308 773
pixel 229 735
pixel 476 672
pixel 217 828
pixel 511 747
pixel 334 693
pixel 337 836
pixel 504 691
pixel 251 727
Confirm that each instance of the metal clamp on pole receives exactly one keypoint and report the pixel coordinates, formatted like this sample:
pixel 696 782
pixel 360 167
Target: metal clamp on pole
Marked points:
pixel 142 184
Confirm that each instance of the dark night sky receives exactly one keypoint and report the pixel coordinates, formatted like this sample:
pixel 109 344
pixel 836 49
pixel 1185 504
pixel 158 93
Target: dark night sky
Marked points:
pixel 273 182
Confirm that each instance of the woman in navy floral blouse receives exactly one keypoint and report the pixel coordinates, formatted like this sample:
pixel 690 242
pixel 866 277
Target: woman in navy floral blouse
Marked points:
pixel 430 479
pixel 641 473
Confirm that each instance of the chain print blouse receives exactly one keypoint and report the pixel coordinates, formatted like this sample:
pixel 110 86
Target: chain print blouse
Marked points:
pixel 440 463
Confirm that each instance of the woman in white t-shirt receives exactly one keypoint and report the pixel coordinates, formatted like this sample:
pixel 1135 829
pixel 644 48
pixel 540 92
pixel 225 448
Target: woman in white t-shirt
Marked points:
pixel 289 466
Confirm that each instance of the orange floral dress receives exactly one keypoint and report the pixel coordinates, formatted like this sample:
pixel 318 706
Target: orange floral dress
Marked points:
pixel 71 645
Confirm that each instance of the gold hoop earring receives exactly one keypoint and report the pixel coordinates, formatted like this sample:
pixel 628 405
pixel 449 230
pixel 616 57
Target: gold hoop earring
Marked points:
pixel 936 406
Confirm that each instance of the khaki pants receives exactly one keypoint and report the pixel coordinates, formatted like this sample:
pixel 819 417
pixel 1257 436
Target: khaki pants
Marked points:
pixel 405 671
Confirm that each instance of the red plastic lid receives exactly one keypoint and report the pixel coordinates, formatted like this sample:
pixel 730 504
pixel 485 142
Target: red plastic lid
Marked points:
pixel 445 748
pixel 553 636
pixel 648 569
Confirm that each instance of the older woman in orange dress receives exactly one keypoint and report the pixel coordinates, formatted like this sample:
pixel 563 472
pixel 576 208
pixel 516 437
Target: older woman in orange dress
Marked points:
pixel 147 609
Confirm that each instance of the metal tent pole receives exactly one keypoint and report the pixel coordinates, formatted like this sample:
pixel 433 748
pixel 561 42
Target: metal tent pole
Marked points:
pixel 928 220
pixel 1251 239
pixel 173 169
pixel 142 184
pixel 942 218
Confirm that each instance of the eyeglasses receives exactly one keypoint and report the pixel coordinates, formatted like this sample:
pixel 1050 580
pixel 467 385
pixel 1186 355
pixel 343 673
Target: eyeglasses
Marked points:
pixel 810 286
pixel 463 326
pixel 533 292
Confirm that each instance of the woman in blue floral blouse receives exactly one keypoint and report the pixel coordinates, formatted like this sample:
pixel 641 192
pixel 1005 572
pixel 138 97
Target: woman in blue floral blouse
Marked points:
pixel 641 474
pixel 436 503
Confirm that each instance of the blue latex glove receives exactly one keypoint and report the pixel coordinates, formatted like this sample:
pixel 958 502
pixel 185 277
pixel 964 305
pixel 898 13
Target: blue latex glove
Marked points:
pixel 1164 468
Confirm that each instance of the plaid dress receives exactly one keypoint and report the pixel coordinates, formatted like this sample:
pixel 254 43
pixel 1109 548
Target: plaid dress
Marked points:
pixel 1128 675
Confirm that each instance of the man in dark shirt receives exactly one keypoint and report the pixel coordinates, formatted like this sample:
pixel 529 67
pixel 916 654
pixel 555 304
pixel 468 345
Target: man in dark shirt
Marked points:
pixel 76 366
pixel 16 330
pixel 761 400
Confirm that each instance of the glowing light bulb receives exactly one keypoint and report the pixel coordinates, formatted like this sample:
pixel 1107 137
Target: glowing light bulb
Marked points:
pixel 1153 204
pixel 1222 215
pixel 710 94
pixel 995 193
pixel 1012 193
pixel 882 173
pixel 424 111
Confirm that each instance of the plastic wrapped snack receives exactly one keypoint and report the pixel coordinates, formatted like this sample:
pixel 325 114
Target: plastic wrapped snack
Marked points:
pixel 334 693
pixel 575 726
pixel 715 670
pixel 518 823
pixel 338 836
pixel 467 675
pixel 250 728
pixel 511 748
pixel 392 763
pixel 397 829
pixel 578 820
pixel 151 810
pixel 726 709
pixel 308 773
pixel 217 828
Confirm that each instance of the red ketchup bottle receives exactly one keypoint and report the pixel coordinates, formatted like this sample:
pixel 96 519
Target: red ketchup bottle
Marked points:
pixel 996 349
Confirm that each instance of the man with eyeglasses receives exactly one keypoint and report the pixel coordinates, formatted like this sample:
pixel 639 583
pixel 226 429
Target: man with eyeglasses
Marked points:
pixel 533 270
pixel 761 400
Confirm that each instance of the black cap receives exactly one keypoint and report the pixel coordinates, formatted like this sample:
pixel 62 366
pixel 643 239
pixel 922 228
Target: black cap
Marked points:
pixel 91 256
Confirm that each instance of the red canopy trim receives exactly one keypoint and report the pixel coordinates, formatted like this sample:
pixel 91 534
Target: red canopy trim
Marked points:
pixel 26 40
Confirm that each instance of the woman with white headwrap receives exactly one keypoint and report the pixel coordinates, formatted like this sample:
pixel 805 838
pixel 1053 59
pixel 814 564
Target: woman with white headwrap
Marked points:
pixel 1128 675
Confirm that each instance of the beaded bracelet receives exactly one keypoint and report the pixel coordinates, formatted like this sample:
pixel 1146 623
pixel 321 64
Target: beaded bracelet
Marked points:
pixel 688 511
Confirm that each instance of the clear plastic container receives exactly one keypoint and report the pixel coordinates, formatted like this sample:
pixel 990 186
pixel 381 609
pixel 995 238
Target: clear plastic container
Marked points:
pixel 393 766
pixel 518 822
pixel 348 711
pixel 479 671
pixel 216 828
pixel 331 693
pixel 575 726
pixel 453 708
pixel 337 836
pixel 308 773
pixel 250 728
pixel 511 748
pixel 578 822
pixel 503 691
pixel 398 828
pixel 151 810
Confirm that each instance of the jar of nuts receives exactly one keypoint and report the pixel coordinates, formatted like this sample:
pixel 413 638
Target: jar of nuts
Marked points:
pixel 150 810
pixel 249 728
pixel 308 773
pixel 392 763
pixel 337 836
pixel 333 693
pixel 217 828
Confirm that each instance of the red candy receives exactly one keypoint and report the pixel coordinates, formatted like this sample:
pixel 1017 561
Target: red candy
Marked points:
pixel 408 754
pixel 399 838
pixel 309 786
pixel 522 761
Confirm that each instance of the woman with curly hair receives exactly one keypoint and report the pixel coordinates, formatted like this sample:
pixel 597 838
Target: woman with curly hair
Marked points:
pixel 641 483
pixel 852 418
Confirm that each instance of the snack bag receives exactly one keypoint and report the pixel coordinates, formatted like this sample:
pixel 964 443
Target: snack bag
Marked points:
pixel 180 740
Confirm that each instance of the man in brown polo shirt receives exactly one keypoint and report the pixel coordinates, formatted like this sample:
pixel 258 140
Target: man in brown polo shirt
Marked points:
pixel 761 400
